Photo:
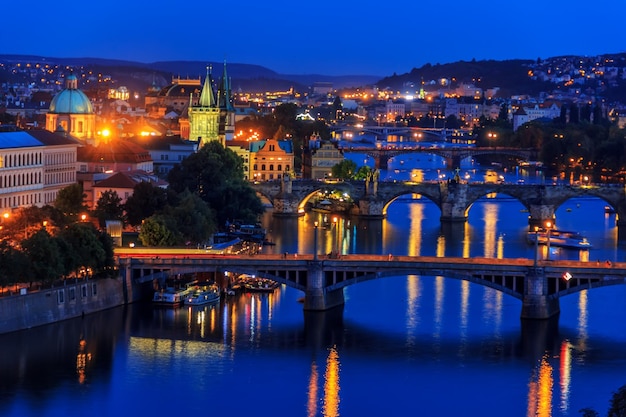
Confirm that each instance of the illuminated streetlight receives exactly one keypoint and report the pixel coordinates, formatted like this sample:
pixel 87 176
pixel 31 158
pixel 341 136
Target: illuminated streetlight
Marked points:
pixel 548 228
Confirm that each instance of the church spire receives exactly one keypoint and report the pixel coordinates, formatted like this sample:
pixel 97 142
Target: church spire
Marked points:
pixel 207 99
pixel 224 92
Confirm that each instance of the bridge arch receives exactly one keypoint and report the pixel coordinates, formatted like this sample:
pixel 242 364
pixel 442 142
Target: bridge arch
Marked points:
pixel 498 286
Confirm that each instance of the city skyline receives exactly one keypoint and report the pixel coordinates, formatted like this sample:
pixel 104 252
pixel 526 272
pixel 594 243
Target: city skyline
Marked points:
pixel 338 38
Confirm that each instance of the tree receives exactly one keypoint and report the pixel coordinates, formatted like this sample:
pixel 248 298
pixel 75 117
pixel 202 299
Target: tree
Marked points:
pixel 344 170
pixel 146 200
pixel 193 217
pixel 215 174
pixel 618 403
pixel 84 246
pixel 42 253
pixel 109 207
pixel 70 201
pixel 157 230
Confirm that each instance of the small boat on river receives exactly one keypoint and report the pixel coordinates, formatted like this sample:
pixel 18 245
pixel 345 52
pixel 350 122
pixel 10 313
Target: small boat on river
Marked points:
pixel 202 295
pixel 171 296
pixel 559 238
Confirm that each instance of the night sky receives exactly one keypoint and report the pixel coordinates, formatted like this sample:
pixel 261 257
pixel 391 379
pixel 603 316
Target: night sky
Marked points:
pixel 343 37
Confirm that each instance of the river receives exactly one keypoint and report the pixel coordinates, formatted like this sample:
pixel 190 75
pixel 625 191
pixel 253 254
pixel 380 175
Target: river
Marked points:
pixel 406 345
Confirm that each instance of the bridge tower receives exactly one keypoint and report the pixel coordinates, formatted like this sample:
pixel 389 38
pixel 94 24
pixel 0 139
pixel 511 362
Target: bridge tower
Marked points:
pixel 285 203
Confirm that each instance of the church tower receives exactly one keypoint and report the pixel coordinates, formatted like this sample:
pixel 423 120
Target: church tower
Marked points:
pixel 227 111
pixel 204 115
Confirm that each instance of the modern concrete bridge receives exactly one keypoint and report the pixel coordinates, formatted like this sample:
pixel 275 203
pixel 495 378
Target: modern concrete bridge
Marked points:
pixel 454 199
pixel 538 284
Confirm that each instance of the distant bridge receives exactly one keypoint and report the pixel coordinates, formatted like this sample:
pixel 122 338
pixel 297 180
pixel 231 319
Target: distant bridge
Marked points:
pixel 538 284
pixel 372 198
pixel 452 155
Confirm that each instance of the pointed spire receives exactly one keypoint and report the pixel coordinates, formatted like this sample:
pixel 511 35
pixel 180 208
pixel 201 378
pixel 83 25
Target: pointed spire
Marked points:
pixel 207 99
pixel 224 92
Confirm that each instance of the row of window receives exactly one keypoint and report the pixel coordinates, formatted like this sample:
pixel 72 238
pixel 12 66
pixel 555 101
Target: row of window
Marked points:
pixel 17 180
pixel 71 293
pixel 279 167
pixel 20 200
pixel 20 160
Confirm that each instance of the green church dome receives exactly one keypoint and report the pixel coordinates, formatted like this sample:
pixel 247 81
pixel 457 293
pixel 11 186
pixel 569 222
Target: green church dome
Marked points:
pixel 71 99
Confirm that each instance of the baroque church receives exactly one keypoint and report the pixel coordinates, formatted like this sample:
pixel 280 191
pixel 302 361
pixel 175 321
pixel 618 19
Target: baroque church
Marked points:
pixel 72 112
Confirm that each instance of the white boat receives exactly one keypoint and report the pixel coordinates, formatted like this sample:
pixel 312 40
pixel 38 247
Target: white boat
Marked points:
pixel 172 296
pixel 203 295
pixel 559 238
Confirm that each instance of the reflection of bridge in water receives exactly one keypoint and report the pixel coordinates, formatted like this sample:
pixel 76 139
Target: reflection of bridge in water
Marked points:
pixel 538 284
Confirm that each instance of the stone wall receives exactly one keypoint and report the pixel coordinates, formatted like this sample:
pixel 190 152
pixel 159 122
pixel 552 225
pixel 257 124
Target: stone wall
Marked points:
pixel 18 312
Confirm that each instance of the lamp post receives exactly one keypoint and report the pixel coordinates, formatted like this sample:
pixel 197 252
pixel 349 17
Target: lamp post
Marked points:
pixel 548 227
pixel 315 224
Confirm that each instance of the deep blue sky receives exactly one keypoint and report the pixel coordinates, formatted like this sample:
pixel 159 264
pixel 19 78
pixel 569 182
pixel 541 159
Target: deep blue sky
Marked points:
pixel 339 37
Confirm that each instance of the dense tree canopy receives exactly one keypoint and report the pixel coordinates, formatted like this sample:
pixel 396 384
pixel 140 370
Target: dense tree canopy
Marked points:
pixel 215 173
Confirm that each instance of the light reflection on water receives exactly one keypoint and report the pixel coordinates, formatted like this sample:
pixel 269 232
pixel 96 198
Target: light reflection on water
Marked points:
pixel 438 342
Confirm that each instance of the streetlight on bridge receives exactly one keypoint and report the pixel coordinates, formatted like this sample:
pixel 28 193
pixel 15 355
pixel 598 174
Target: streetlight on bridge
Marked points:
pixel 548 228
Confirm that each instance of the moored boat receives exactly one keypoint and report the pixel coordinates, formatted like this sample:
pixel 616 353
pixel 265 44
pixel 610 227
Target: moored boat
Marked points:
pixel 202 295
pixel 559 238
pixel 171 297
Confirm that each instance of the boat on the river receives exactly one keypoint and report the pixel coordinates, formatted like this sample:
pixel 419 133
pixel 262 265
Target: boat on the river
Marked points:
pixel 171 296
pixel 202 295
pixel 559 238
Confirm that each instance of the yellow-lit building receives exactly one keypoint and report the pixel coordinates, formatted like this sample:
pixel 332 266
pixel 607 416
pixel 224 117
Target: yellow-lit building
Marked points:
pixel 71 111
pixel 271 159
pixel 319 159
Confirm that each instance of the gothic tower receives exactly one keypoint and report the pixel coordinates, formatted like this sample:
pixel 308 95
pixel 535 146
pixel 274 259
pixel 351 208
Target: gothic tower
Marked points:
pixel 204 115
pixel 227 111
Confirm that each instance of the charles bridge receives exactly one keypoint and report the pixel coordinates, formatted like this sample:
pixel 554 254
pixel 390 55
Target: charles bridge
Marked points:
pixel 454 198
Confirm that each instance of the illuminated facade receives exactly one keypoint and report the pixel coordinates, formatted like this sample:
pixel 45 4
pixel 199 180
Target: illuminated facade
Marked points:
pixel 34 166
pixel 319 159
pixel 204 115
pixel 71 111
pixel 271 159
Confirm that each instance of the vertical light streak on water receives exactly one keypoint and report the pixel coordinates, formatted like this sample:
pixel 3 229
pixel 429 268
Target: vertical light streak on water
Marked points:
pixel 412 317
pixel 540 390
pixel 466 241
pixel 331 384
pixel 490 214
pixel 500 248
pixel 253 304
pixel 311 405
pixel 565 368
pixel 465 294
pixel 439 304
pixel 492 311
pixel 200 320
pixel 441 246
pixel 545 382
pixel 416 217
pixel 582 321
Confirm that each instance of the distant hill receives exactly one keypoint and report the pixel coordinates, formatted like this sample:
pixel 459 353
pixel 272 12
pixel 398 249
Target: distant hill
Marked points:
pixel 510 75
pixel 246 77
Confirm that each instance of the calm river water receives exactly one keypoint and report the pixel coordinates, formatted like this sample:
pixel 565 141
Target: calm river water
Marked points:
pixel 407 345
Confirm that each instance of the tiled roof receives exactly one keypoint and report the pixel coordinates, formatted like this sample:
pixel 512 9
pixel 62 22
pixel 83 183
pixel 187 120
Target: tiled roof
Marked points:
pixel 114 151
pixel 129 180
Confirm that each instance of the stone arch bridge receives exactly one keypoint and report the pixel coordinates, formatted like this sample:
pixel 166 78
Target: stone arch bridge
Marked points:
pixel 454 199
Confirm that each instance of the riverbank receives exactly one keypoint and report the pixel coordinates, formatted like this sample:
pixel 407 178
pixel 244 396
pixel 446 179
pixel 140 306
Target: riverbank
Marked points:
pixel 24 310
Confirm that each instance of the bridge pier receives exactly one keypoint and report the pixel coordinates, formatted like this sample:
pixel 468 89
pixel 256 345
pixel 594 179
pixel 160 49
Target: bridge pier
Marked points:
pixel 454 202
pixel 536 304
pixel 316 297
